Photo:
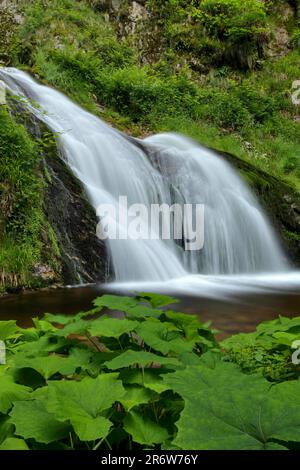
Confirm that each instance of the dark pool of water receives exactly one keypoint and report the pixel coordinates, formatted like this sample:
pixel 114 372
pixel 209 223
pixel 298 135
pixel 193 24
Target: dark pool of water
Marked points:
pixel 239 314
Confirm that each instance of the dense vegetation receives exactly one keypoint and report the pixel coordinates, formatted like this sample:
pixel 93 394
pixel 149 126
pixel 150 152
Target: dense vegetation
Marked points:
pixel 22 222
pixel 145 381
pixel 219 70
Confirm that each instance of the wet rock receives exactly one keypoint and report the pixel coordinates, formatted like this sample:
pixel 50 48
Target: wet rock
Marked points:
pixel 44 272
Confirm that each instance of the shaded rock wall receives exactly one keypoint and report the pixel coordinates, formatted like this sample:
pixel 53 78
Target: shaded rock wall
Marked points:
pixel 82 256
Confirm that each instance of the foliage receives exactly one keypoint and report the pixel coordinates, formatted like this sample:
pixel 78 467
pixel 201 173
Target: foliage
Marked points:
pixel 150 378
pixel 241 26
pixel 8 27
pixel 268 350
pixel 189 85
pixel 22 221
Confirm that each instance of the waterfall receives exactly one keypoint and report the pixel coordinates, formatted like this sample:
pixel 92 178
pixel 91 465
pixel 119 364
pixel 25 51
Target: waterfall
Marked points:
pixel 166 168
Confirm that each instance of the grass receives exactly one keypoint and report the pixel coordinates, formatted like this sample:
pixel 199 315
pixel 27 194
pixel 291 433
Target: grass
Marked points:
pixel 22 221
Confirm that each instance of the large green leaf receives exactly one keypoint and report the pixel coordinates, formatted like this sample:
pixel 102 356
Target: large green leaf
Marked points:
pixel 225 409
pixel 142 358
pixel 41 346
pixel 157 300
pixel 163 337
pixel 149 378
pixel 116 302
pixel 49 365
pixel 143 430
pixel 8 329
pixel 82 402
pixel 135 396
pixel 33 421
pixel 111 327
pixel 129 305
pixel 11 392
pixel 12 443
pixel 78 327
pixel 189 324
pixel 6 428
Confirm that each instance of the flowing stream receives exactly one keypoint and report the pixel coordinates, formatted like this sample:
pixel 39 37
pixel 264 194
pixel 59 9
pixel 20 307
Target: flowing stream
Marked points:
pixel 166 168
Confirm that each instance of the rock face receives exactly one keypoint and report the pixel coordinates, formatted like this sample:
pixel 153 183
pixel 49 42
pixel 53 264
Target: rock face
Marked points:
pixel 82 257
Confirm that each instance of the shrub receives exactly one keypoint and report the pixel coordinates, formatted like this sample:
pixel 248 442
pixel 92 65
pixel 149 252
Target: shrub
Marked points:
pixel 242 25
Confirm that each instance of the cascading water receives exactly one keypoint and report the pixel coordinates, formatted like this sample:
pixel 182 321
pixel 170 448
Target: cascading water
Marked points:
pixel 165 168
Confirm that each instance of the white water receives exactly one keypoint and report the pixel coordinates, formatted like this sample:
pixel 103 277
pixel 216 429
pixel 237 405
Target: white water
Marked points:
pixel 238 236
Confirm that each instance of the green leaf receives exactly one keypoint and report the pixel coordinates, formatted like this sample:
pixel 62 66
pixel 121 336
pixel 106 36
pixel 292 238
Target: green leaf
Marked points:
pixel 149 378
pixel 59 319
pixel 43 325
pixel 41 346
pixel 163 337
pixel 6 428
pixel 33 421
pixel 12 443
pixel 142 358
pixel 286 338
pixel 8 329
pixel 143 430
pixel 11 392
pixel 47 366
pixel 78 327
pixel 129 305
pixel 228 410
pixel 157 300
pixel 116 302
pixel 135 396
pixel 82 402
pixel 111 327
pixel 90 429
pixel 189 324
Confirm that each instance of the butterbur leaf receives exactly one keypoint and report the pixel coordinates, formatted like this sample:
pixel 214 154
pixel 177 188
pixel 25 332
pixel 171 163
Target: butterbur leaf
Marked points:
pixel 135 396
pixel 11 392
pixel 157 300
pixel 90 429
pixel 189 324
pixel 149 378
pixel 43 325
pixel 286 338
pixel 228 410
pixel 79 327
pixel 33 421
pixel 129 305
pixel 164 337
pixel 6 428
pixel 281 411
pixel 49 365
pixel 82 402
pixel 111 327
pixel 41 346
pixel 141 312
pixel 59 319
pixel 12 443
pixel 143 430
pixel 116 302
pixel 142 358
pixel 8 329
